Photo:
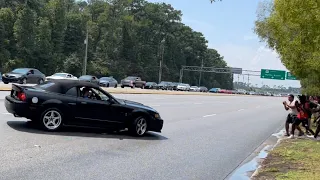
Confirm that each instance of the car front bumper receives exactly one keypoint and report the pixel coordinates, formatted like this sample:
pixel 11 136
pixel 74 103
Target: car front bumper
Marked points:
pixel 11 80
pixel 156 125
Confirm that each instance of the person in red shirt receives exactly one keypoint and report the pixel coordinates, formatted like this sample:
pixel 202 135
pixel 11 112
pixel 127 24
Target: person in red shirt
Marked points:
pixel 303 115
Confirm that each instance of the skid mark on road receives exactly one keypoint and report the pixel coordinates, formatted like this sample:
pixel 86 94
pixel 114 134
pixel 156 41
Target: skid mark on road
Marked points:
pixel 209 115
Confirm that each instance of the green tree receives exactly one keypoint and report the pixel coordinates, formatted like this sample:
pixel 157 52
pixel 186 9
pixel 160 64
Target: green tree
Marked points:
pixel 291 28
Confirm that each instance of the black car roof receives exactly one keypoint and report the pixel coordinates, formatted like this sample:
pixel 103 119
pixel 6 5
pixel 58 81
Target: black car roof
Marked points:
pixel 63 85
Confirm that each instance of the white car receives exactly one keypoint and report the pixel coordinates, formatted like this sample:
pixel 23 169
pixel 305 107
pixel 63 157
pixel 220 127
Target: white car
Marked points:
pixel 183 87
pixel 61 76
pixel 194 88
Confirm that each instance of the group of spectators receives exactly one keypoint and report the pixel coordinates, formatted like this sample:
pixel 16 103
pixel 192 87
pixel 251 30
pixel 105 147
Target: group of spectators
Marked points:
pixel 300 112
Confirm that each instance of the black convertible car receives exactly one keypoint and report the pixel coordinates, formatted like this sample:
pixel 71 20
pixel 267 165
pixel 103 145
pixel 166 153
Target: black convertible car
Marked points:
pixel 59 103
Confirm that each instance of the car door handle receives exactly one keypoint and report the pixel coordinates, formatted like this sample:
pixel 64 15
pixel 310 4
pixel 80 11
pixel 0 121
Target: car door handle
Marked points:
pixel 72 104
pixel 83 102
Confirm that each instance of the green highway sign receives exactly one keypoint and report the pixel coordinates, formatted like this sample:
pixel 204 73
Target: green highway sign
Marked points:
pixel 290 76
pixel 273 74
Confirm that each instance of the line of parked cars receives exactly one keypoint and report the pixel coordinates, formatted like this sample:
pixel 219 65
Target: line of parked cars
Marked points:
pixel 34 76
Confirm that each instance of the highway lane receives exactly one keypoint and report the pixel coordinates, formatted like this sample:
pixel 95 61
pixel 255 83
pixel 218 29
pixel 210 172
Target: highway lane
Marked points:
pixel 204 137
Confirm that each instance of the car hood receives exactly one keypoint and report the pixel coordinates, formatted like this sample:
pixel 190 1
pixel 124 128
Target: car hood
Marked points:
pixel 136 105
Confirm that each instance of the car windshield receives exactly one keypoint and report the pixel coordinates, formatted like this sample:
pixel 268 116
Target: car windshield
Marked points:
pixel 85 77
pixel 105 78
pixel 131 78
pixel 103 96
pixel 60 74
pixel 21 70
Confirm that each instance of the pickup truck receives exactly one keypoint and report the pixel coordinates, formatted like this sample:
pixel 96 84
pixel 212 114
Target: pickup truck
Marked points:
pixel 133 81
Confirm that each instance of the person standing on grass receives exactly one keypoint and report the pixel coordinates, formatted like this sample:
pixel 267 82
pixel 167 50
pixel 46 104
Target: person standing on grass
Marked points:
pixel 293 112
pixel 303 115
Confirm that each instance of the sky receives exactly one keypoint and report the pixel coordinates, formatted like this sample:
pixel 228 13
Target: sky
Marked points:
pixel 228 26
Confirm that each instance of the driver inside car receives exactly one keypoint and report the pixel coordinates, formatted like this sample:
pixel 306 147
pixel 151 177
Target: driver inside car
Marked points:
pixel 86 93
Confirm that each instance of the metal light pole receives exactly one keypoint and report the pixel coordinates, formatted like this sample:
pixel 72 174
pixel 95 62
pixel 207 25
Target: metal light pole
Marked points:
pixel 161 59
pixel 201 72
pixel 84 70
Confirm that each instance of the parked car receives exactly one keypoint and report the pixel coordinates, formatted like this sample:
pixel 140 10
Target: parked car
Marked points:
pixel 183 87
pixel 24 76
pixel 175 85
pixel 133 81
pixel 195 88
pixel 214 90
pixel 61 76
pixel 203 89
pixel 164 85
pixel 89 78
pixel 151 85
pixel 59 103
pixel 108 82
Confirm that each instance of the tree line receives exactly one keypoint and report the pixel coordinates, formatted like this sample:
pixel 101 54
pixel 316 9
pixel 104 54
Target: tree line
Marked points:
pixel 292 29
pixel 125 37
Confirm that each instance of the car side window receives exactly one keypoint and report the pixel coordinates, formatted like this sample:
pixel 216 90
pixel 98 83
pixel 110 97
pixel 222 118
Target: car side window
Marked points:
pixel 37 72
pixel 72 92
pixel 68 75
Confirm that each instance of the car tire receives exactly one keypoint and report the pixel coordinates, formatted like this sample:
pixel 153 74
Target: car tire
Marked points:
pixel 133 86
pixel 116 85
pixel 122 86
pixel 51 116
pixel 5 82
pixel 139 127
pixel 107 85
pixel 142 87
pixel 40 81
pixel 23 81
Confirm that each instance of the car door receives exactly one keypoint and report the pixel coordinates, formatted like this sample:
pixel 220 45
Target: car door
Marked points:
pixel 94 112
pixel 31 77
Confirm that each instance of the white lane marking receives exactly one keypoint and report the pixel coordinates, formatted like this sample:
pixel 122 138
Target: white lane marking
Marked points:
pixel 241 110
pixel 209 115
pixel 197 103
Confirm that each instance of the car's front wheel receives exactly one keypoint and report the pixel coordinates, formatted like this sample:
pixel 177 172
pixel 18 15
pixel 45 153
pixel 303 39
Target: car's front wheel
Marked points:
pixel 139 126
pixel 51 119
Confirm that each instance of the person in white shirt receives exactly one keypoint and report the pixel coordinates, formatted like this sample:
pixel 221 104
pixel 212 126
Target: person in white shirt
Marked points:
pixel 291 107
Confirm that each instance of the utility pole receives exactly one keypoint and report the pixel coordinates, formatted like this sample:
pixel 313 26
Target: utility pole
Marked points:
pixel 84 70
pixel 161 59
pixel 248 79
pixel 201 72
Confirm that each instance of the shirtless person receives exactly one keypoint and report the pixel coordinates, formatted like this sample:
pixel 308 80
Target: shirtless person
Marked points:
pixel 290 106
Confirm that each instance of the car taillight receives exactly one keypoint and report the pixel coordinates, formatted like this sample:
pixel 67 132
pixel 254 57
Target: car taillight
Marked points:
pixel 21 96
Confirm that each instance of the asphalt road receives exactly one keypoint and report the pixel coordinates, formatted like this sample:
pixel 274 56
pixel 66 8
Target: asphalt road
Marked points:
pixel 204 137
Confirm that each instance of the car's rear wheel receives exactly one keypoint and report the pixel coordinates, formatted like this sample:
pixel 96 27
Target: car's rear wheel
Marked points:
pixel 5 82
pixel 133 86
pixel 116 85
pixel 122 86
pixel 142 87
pixel 51 119
pixel 107 85
pixel 139 126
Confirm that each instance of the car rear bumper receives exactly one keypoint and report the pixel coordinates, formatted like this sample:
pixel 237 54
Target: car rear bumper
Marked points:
pixel 19 108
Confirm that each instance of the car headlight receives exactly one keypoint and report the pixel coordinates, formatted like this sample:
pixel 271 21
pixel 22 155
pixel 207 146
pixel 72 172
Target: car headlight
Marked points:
pixel 157 116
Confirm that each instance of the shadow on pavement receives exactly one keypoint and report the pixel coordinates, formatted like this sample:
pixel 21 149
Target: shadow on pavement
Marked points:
pixel 31 127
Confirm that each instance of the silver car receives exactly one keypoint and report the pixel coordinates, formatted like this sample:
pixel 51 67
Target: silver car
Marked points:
pixel 108 82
